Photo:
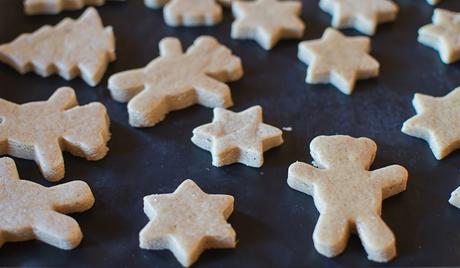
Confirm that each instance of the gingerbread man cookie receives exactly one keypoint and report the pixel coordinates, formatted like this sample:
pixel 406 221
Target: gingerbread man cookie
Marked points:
pixel 443 35
pixel 187 222
pixel 42 130
pixel 436 122
pixel 177 80
pixel 237 137
pixel 30 211
pixel 338 60
pixel 267 21
pixel 348 195
pixel 364 16
pixel 64 49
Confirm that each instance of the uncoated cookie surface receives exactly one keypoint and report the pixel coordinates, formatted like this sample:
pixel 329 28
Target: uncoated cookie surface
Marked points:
pixel 187 222
pixel 338 59
pixel 237 137
pixel 35 7
pixel 64 49
pixel 443 34
pixel 30 211
pixel 42 130
pixel 177 80
pixel 361 15
pixel 189 12
pixel 267 21
pixel 348 195
pixel 437 122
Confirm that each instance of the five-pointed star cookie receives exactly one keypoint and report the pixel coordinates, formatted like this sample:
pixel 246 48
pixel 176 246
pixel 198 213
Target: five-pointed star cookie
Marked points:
pixel 437 122
pixel 177 80
pixel 348 195
pixel 30 211
pixel 42 130
pixel 81 47
pixel 187 222
pixel 189 12
pixel 338 60
pixel 361 15
pixel 237 137
pixel 35 7
pixel 443 35
pixel 267 21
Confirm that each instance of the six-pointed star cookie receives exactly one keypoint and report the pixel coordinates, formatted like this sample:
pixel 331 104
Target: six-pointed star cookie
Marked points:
pixel 437 122
pixel 267 21
pixel 338 60
pixel 237 137
pixel 361 15
pixel 443 35
pixel 187 222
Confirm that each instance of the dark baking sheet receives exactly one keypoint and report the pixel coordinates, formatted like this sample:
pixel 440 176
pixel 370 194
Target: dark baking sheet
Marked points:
pixel 274 223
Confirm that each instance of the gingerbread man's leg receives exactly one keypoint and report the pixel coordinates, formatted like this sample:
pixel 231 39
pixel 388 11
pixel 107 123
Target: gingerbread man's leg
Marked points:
pixel 376 237
pixel 212 93
pixel 48 155
pixel 57 229
pixel 147 108
pixel 331 234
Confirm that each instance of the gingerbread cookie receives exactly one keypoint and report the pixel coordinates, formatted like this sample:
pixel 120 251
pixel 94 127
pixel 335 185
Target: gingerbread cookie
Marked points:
pixel 187 222
pixel 443 35
pixel 338 60
pixel 267 21
pixel 64 49
pixel 436 122
pixel 364 16
pixel 348 195
pixel 188 12
pixel 237 137
pixel 30 211
pixel 36 7
pixel 42 130
pixel 177 80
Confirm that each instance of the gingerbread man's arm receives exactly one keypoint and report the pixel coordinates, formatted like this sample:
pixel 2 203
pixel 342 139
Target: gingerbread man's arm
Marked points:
pixel 8 169
pixel 170 46
pixel 301 177
pixel 392 179
pixel 64 98
pixel 58 229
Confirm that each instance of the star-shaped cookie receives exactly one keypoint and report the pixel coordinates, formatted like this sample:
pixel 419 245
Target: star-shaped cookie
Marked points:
pixel 267 21
pixel 338 60
pixel 361 15
pixel 443 35
pixel 187 222
pixel 437 122
pixel 237 137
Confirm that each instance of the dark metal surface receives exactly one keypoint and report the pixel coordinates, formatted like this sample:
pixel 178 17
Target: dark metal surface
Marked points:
pixel 274 223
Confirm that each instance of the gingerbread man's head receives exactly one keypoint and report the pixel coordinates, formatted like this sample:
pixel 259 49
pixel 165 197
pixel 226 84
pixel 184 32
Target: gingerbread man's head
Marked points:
pixel 343 151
